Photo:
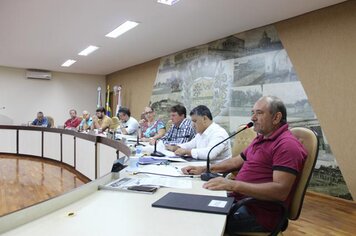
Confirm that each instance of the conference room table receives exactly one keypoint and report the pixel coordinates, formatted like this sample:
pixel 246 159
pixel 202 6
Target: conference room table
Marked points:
pixel 90 155
pixel 87 210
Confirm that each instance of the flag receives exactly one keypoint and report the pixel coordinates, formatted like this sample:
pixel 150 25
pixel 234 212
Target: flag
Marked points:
pixel 107 107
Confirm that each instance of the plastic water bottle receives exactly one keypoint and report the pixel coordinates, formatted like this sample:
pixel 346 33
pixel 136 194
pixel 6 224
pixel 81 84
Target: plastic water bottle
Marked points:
pixel 139 150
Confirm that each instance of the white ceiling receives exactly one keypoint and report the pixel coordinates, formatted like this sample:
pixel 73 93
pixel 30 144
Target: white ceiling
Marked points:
pixel 42 34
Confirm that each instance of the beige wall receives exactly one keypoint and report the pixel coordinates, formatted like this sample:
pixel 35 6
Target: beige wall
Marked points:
pixel 23 97
pixel 137 84
pixel 322 48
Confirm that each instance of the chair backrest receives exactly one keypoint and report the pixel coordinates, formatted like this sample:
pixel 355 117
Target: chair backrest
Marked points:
pixel 50 121
pixel 169 124
pixel 310 142
pixel 115 123
pixel 242 140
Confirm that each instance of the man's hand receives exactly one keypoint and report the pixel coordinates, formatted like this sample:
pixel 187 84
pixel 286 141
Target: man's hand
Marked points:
pixel 141 122
pixel 172 148
pixel 152 141
pixel 123 130
pixel 193 170
pixel 182 152
pixel 220 183
pixel 96 124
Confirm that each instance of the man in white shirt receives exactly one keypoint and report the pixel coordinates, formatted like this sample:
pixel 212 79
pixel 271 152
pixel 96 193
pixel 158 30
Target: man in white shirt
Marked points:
pixel 129 125
pixel 208 134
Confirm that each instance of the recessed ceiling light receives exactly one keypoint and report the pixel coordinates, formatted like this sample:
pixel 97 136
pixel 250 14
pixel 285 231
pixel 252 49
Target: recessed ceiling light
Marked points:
pixel 88 50
pixel 68 63
pixel 168 2
pixel 122 29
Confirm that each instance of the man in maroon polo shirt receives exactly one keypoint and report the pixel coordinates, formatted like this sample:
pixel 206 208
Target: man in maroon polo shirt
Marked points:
pixel 268 169
pixel 74 121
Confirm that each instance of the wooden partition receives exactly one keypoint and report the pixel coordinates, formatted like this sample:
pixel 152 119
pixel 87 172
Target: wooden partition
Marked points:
pixel 90 155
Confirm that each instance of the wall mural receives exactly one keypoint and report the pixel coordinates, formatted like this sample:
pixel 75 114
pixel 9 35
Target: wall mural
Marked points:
pixel 229 75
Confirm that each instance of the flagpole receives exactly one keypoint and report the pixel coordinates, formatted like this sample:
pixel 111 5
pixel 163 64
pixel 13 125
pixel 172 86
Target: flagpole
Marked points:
pixel 117 91
pixel 98 104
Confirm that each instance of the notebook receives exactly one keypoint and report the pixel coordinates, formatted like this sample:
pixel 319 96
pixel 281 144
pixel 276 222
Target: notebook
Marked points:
pixel 194 202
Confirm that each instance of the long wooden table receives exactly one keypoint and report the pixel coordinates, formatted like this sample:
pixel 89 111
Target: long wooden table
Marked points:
pixel 90 155
pixel 89 211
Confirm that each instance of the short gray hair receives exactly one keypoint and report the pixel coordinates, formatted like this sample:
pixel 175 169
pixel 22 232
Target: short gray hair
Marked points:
pixel 276 105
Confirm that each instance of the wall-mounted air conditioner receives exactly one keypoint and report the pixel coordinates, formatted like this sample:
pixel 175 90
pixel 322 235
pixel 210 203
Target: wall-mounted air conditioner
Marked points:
pixel 38 74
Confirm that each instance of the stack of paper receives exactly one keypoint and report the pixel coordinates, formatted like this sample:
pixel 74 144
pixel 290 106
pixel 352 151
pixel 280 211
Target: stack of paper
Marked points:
pixel 123 184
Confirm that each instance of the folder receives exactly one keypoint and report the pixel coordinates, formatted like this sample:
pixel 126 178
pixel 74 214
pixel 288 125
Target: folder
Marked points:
pixel 194 202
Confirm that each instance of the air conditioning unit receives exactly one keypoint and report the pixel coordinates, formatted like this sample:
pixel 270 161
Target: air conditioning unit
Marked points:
pixel 38 74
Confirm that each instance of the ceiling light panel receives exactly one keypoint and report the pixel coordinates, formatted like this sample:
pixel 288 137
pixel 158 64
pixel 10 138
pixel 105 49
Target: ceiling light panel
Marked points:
pixel 88 50
pixel 68 63
pixel 122 29
pixel 168 2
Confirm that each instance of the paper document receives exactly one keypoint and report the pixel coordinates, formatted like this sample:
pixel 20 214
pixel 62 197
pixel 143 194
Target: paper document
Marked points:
pixel 159 170
pixel 160 147
pixel 176 158
pixel 170 182
pixel 123 183
pixel 126 185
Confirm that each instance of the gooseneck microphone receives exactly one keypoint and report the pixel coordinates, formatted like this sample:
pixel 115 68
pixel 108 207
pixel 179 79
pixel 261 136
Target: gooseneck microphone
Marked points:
pixel 208 175
pixel 138 138
pixel 156 153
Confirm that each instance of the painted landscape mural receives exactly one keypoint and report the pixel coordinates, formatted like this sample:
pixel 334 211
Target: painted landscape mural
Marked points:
pixel 229 75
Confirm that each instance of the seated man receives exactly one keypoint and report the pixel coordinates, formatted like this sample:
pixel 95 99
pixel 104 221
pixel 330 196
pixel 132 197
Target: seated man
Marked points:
pixel 268 169
pixel 208 134
pixel 182 130
pixel 41 120
pixel 129 125
pixel 86 122
pixel 101 121
pixel 73 121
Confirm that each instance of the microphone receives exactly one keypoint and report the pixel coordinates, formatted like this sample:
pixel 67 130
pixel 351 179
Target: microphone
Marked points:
pixel 208 175
pixel 156 153
pixel 138 138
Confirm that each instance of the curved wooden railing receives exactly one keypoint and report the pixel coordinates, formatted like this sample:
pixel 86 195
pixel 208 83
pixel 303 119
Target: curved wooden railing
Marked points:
pixel 90 155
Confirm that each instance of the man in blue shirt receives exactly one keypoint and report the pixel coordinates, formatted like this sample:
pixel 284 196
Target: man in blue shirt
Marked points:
pixel 41 120
pixel 86 122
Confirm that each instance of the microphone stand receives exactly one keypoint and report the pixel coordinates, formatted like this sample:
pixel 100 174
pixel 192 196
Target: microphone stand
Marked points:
pixel 156 153
pixel 208 175
pixel 138 140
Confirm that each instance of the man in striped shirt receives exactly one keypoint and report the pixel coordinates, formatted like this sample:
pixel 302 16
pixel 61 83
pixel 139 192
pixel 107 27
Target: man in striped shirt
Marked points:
pixel 182 130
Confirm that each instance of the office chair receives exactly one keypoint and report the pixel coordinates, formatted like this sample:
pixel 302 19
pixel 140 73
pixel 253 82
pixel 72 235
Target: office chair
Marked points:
pixel 311 143
pixel 241 142
pixel 169 124
pixel 115 123
pixel 50 121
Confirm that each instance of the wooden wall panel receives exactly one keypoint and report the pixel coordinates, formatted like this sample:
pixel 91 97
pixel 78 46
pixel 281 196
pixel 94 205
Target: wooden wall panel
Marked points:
pixel 137 84
pixel 322 48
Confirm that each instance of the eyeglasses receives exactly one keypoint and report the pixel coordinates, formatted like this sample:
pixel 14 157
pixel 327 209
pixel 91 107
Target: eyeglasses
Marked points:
pixel 148 112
